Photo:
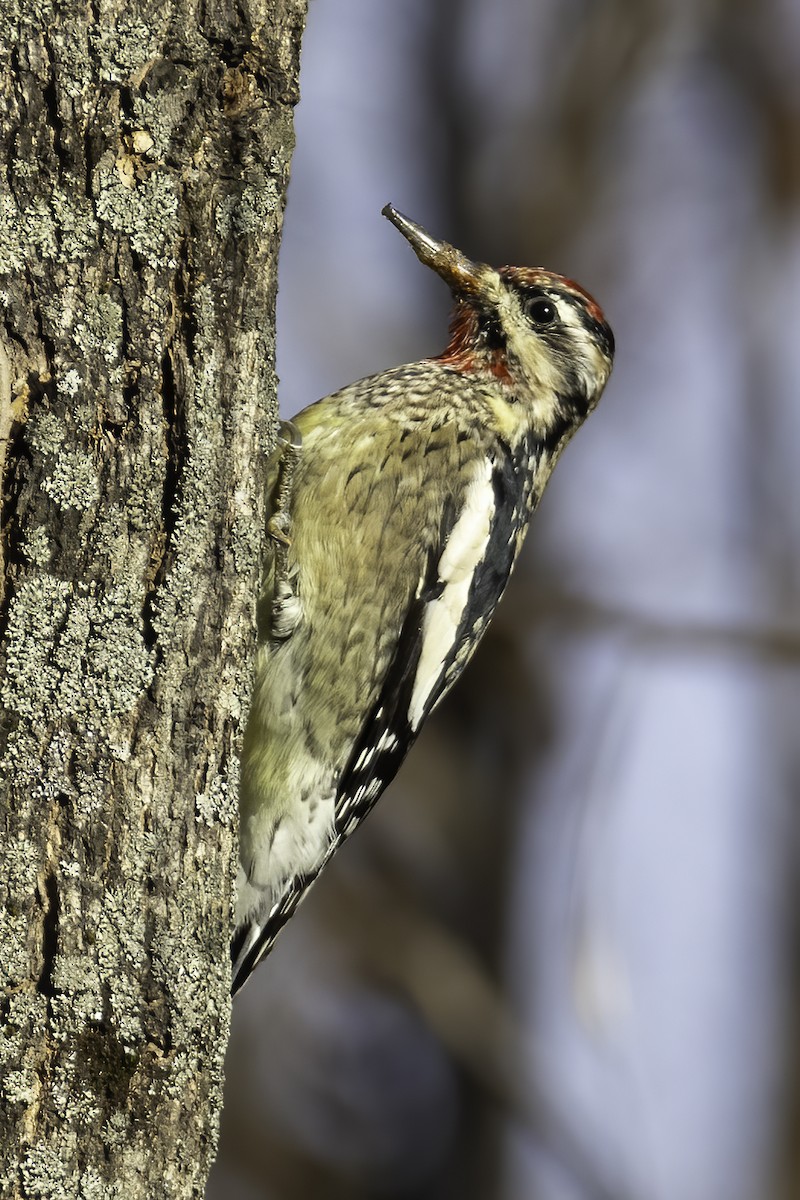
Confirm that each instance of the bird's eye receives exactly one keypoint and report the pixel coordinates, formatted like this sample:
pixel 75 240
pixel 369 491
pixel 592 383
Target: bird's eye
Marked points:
pixel 541 311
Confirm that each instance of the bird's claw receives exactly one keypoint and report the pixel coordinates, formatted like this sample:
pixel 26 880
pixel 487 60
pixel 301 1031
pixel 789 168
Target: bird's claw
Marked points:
pixel 278 528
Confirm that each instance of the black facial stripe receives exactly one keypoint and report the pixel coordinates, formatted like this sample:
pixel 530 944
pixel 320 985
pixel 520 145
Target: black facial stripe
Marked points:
pixel 490 330
pixel 527 291
pixel 564 422
pixel 599 331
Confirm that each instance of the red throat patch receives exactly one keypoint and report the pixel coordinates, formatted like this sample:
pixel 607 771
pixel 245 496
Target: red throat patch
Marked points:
pixel 464 352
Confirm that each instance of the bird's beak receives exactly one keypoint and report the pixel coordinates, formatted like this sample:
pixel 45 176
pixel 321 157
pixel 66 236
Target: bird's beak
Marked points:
pixel 464 277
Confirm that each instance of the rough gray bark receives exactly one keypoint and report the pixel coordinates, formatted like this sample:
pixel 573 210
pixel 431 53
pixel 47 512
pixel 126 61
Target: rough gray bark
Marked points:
pixel 145 151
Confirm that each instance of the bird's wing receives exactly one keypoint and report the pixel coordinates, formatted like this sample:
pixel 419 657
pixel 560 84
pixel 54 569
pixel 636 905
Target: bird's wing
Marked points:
pixel 464 576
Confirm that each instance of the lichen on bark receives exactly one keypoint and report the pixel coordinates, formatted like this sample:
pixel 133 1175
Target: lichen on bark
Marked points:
pixel 146 150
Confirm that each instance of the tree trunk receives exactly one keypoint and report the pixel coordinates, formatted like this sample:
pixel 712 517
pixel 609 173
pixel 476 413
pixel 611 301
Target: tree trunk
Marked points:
pixel 146 150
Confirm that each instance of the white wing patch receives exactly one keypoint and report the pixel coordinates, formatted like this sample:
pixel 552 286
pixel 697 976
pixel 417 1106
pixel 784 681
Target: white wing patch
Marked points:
pixel 387 741
pixel 462 554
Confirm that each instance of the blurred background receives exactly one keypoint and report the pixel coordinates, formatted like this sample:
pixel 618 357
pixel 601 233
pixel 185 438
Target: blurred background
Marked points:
pixel 561 959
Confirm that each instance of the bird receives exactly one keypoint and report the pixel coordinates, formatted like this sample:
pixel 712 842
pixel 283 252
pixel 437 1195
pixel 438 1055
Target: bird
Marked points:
pixel 399 505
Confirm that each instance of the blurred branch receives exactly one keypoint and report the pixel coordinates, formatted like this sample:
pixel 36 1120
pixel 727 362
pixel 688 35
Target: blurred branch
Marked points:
pixel 586 615
pixel 406 948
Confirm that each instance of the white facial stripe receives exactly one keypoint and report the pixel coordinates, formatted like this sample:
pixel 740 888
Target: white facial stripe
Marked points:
pixel 591 364
pixel 464 551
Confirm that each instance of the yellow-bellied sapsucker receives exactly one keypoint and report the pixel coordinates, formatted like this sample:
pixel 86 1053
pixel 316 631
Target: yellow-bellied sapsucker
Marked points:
pixel 400 506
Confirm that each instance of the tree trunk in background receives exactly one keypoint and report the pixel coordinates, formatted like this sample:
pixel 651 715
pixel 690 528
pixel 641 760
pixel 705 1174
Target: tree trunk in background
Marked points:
pixel 145 151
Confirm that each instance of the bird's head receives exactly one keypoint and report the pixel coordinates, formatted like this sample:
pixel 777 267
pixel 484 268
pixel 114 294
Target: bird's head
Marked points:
pixel 541 336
